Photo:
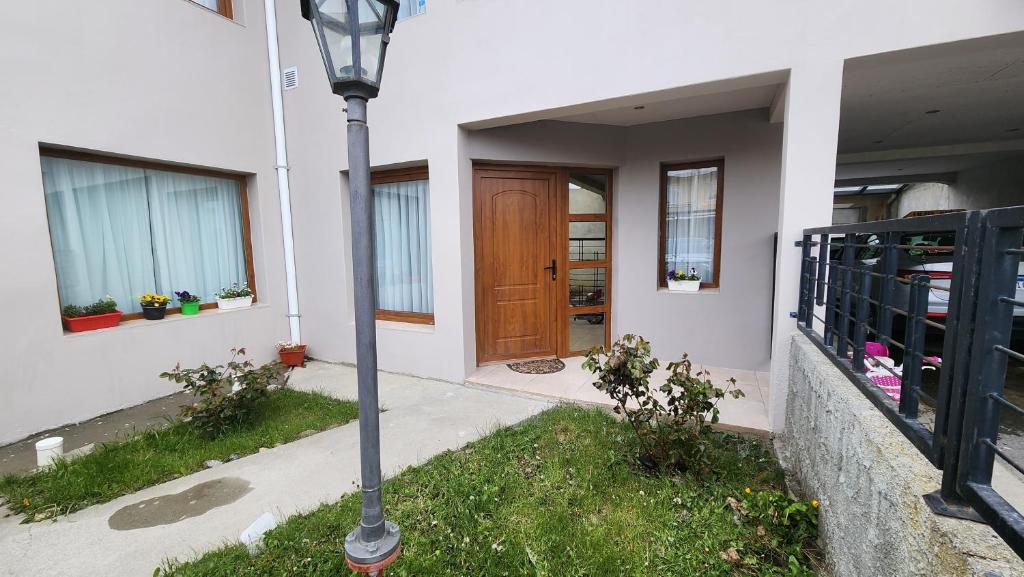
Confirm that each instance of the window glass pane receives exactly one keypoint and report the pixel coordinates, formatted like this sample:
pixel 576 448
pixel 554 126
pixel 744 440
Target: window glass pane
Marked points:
pixel 587 193
pixel 586 287
pixel 411 8
pixel 402 246
pixel 211 4
pixel 99 231
pixel 586 331
pixel 124 231
pixel 587 241
pixel 371 34
pixel 690 213
pixel 196 223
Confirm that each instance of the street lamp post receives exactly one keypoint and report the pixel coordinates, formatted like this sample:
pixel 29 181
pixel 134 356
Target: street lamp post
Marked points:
pixel 353 36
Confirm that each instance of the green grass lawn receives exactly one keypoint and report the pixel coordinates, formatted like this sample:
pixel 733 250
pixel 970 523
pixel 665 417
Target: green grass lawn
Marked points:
pixel 554 496
pixel 159 455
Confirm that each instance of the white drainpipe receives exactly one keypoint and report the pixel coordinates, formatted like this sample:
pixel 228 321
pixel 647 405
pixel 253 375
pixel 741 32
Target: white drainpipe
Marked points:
pixel 281 164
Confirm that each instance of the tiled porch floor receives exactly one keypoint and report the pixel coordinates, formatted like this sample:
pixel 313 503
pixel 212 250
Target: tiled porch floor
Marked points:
pixel 573 384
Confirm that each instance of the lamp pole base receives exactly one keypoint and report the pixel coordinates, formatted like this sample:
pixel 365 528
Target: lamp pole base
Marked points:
pixel 372 558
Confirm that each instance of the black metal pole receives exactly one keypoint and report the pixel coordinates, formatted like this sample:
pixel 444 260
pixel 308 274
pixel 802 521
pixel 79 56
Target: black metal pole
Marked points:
pixel 375 542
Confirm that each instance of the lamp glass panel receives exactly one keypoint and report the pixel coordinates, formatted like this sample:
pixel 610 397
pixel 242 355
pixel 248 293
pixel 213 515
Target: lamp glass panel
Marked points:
pixel 372 21
pixel 338 37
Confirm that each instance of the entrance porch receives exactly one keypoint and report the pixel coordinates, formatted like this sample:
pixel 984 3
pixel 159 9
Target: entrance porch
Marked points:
pixel 574 385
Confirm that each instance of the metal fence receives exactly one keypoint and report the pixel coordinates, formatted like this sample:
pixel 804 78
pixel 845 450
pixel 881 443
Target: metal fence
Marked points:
pixel 940 295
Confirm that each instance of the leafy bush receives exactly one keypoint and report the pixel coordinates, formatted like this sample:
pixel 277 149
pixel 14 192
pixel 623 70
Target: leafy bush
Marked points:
pixel 225 396
pixel 672 434
pixel 105 305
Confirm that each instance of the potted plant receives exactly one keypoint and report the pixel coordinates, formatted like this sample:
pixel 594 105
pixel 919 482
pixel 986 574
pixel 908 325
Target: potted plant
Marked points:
pixel 99 315
pixel 234 297
pixel 154 306
pixel 684 281
pixel 189 302
pixel 292 354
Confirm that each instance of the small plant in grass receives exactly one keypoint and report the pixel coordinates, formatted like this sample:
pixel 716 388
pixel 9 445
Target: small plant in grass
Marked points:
pixel 225 395
pixel 786 528
pixel 672 430
pixel 104 306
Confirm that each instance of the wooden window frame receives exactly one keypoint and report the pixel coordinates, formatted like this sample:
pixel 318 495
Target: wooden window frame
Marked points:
pixel 718 163
pixel 243 198
pixel 224 8
pixel 389 177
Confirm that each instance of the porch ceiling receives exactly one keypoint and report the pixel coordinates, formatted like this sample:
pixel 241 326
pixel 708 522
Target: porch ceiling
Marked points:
pixel 717 97
pixel 949 94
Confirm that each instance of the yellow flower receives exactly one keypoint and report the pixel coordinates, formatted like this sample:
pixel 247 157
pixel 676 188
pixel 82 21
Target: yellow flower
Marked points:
pixel 815 504
pixel 747 490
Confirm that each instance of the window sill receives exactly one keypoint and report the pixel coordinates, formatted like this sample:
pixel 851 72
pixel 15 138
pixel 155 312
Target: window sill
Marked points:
pixel 405 327
pixel 703 291
pixel 136 323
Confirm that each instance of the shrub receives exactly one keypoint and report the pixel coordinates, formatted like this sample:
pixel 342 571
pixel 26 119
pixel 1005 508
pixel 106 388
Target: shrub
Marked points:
pixel 673 435
pixel 105 305
pixel 225 395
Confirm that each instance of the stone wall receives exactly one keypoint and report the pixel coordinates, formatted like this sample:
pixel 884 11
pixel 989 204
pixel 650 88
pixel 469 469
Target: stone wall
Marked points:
pixel 838 448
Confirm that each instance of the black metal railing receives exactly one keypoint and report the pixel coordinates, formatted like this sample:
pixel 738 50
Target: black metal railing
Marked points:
pixel 937 293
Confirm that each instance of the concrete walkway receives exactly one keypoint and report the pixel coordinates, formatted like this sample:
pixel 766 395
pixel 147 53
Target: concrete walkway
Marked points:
pixel 202 511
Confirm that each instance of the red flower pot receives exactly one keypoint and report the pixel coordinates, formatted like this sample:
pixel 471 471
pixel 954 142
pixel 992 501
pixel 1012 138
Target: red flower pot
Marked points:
pixel 295 357
pixel 90 323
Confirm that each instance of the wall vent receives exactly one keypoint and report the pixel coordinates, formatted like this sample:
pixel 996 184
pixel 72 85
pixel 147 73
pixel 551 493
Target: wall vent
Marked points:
pixel 291 78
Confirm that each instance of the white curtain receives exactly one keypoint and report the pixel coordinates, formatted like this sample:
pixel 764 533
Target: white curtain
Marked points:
pixel 692 197
pixel 123 232
pixel 402 246
pixel 211 4
pixel 197 241
pixel 411 8
pixel 99 229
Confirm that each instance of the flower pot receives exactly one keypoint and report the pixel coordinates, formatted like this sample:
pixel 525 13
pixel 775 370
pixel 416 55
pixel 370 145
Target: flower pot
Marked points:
pixel 235 303
pixel 683 286
pixel 80 324
pixel 191 308
pixel 154 313
pixel 295 357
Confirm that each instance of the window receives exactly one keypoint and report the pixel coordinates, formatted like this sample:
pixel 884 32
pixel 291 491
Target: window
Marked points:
pixel 401 208
pixel 222 7
pixel 408 8
pixel 125 228
pixel 691 220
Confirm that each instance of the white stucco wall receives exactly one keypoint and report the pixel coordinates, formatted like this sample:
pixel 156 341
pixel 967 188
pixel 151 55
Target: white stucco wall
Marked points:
pixel 167 81
pixel 739 312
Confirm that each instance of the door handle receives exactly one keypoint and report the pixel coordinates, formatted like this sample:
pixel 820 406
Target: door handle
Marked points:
pixel 553 268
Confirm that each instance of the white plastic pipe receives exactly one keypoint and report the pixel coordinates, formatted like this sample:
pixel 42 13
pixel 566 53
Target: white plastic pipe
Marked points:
pixel 277 102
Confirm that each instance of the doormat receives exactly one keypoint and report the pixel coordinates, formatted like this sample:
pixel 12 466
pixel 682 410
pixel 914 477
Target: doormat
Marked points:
pixel 539 367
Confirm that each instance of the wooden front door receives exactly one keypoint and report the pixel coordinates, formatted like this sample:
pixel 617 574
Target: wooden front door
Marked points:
pixel 515 242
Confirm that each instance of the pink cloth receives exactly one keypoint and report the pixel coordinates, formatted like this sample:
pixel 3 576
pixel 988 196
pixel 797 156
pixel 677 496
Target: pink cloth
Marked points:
pixel 875 349
pixel 890 385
